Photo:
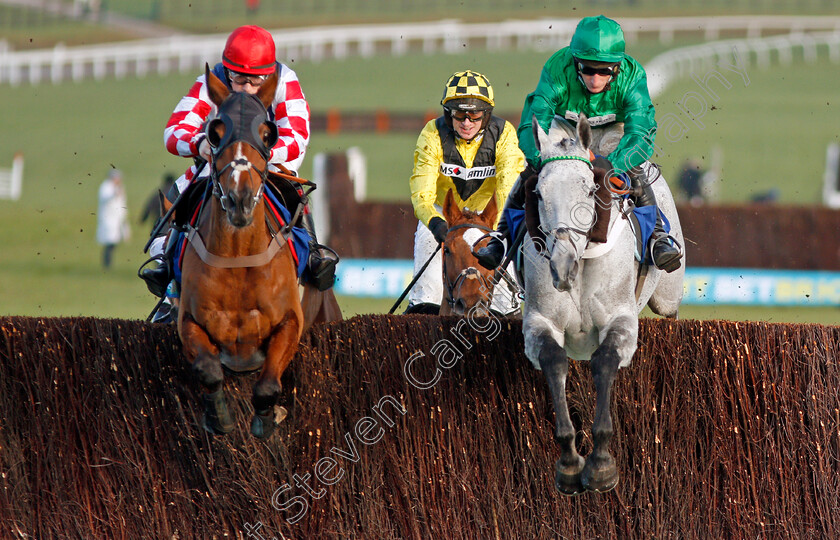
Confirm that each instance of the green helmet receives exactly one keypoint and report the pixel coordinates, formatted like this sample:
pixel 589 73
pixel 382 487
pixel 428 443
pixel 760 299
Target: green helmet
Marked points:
pixel 598 39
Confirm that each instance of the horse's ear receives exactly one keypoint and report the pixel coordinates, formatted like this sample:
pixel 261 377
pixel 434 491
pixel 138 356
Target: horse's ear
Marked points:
pixel 540 136
pixel 491 211
pixel 216 89
pixel 584 132
pixel 451 212
pixel 268 89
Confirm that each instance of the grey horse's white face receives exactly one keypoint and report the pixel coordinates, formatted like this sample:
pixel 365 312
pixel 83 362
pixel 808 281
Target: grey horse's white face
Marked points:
pixel 565 191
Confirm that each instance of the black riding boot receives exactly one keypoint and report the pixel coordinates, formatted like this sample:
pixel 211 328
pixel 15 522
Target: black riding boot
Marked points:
pixel 322 260
pixel 491 255
pixel 157 279
pixel 664 251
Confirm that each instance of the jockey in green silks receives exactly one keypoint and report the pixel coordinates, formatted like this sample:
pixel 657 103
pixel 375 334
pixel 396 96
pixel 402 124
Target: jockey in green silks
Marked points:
pixel 593 76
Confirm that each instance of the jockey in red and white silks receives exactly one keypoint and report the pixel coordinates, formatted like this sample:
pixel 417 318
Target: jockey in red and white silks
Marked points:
pixel 248 60
pixel 183 134
pixel 290 111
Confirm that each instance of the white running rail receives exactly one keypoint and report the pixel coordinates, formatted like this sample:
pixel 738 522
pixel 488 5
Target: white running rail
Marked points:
pixel 187 53
pixel 745 53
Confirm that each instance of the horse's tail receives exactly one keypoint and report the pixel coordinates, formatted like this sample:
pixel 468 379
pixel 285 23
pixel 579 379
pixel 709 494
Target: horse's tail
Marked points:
pixel 319 306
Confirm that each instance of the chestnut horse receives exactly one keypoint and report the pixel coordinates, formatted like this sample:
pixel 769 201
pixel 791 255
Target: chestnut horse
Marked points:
pixel 465 282
pixel 240 303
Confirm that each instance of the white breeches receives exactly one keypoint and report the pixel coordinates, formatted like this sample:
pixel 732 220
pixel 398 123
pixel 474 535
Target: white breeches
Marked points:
pixel 429 287
pixel 157 246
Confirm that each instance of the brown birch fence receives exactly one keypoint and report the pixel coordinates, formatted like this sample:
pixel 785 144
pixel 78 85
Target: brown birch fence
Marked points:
pixel 724 430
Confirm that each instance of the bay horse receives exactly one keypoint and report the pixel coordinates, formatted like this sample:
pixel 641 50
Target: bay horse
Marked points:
pixel 240 304
pixel 466 283
pixel 580 306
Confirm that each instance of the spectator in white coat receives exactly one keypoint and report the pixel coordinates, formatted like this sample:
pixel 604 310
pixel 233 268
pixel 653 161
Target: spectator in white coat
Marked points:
pixel 112 225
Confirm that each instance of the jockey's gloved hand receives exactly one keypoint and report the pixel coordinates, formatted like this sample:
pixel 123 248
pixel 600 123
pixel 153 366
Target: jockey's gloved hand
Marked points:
pixel 491 255
pixel 616 183
pixel 529 171
pixel 205 150
pixel 439 228
pixel 603 163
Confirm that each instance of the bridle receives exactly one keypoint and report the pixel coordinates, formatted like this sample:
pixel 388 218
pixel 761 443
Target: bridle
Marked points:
pixel 558 232
pixel 237 164
pixel 236 133
pixel 455 286
pixel 241 129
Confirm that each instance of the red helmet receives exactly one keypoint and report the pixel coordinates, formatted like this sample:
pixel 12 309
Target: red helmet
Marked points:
pixel 249 49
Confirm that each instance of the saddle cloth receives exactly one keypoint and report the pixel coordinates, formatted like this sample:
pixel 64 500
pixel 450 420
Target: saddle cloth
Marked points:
pixel 642 221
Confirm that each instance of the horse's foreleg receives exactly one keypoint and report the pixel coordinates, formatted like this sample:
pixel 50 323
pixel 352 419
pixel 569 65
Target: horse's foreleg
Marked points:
pixel 600 473
pixel 555 366
pixel 281 348
pixel 203 356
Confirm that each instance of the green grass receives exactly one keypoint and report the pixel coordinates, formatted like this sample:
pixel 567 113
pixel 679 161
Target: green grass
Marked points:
pixel 209 15
pixel 773 133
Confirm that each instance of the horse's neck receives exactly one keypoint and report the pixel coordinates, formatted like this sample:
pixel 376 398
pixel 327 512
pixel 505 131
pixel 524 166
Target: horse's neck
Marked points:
pixel 223 239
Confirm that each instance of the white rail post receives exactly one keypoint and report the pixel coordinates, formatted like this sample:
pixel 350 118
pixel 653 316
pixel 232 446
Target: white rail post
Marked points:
pixel 831 178
pixel 319 197
pixel 11 180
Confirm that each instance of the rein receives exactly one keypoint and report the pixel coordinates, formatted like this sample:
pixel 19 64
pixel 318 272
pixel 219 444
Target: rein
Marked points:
pixel 452 287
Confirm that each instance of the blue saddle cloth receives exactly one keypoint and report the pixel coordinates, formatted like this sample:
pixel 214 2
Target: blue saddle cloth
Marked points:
pixel 299 236
pixel 646 216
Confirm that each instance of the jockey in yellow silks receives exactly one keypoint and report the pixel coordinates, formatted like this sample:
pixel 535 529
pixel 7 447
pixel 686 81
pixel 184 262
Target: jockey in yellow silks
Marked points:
pixel 474 154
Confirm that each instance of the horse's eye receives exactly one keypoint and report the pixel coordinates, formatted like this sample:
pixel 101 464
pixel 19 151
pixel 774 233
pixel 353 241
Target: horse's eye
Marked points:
pixel 446 250
pixel 538 194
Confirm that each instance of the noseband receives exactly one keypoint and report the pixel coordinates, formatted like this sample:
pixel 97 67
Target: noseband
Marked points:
pixel 452 287
pixel 240 164
pixel 556 235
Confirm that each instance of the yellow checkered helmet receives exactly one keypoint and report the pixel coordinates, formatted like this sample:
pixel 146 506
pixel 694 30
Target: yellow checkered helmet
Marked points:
pixel 468 91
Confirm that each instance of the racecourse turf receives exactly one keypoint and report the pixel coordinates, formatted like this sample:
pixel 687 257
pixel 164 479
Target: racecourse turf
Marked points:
pixel 772 132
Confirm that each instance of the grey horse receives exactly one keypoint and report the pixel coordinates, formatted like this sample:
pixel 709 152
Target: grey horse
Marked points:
pixel 582 303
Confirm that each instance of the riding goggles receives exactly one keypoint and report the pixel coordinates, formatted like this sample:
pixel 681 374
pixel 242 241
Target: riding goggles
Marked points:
pixel 589 70
pixel 473 116
pixel 243 78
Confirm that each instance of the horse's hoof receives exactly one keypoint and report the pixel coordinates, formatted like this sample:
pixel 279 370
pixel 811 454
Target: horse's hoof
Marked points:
pixel 217 418
pixel 567 477
pixel 265 422
pixel 600 479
